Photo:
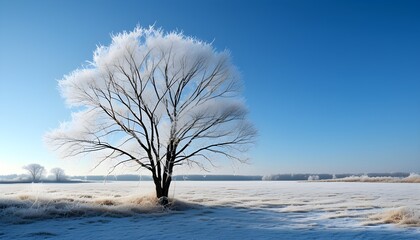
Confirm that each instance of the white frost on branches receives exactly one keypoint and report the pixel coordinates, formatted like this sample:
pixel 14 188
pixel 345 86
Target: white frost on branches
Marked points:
pixel 157 99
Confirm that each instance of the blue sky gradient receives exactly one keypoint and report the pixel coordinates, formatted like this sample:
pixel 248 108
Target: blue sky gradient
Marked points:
pixel 332 86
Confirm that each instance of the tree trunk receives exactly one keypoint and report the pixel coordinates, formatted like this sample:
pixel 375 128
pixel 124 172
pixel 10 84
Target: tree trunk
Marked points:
pixel 163 184
pixel 158 187
pixel 166 185
pixel 162 190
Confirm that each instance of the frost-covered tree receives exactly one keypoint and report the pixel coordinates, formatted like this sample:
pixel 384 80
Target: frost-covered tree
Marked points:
pixel 58 174
pixel 35 171
pixel 157 100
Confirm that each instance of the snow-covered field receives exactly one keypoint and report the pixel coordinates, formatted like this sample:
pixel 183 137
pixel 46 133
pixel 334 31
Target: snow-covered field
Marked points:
pixel 211 210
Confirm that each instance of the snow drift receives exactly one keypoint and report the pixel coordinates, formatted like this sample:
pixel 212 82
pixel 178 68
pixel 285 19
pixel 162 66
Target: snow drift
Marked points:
pixel 400 216
pixel 32 207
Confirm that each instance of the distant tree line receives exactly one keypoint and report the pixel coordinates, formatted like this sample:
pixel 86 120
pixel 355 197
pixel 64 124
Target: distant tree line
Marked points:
pixel 309 177
pixel 36 172
pixel 132 177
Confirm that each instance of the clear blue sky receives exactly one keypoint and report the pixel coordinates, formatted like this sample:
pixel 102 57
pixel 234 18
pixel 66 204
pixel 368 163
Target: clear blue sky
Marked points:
pixel 332 86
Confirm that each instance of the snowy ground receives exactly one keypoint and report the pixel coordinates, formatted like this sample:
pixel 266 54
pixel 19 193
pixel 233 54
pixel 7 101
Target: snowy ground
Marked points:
pixel 211 210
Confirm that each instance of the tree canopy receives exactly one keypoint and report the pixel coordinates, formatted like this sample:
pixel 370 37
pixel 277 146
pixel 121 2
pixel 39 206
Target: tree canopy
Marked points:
pixel 155 100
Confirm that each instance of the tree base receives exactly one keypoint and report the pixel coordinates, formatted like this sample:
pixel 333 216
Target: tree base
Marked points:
pixel 164 201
